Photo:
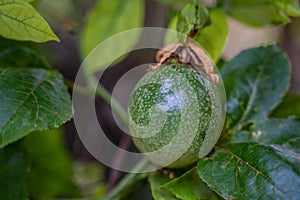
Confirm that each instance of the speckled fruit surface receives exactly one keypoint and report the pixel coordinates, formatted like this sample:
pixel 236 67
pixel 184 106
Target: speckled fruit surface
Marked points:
pixel 176 115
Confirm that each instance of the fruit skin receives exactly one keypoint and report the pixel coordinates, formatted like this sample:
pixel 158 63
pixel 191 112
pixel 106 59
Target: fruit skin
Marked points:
pixel 176 115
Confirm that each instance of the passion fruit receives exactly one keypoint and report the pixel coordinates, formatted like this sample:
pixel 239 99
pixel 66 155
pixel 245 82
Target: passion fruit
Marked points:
pixel 176 115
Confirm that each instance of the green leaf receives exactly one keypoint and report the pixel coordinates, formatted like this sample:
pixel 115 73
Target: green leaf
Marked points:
pixel 191 20
pixel 14 168
pixel 252 171
pixel 51 167
pixel 21 57
pixel 159 192
pixel 106 19
pixel 31 99
pixel 20 21
pixel 190 187
pixel 290 105
pixel 262 12
pixel 255 82
pixel 212 37
pixel 284 132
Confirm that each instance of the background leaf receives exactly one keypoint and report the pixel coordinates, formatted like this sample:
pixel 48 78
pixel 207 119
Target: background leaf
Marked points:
pixel 87 175
pixel 213 37
pixel 261 12
pixel 190 187
pixel 284 132
pixel 252 171
pixel 106 19
pixel 14 168
pixel 51 167
pixel 290 105
pixel 291 7
pixel 20 21
pixel 31 99
pixel 262 80
pixel 21 57
pixel 159 192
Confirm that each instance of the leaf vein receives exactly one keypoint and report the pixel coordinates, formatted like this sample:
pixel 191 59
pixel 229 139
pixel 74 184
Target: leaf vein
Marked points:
pixel 37 106
pixel 257 171
pixel 26 25
pixel 254 89
pixel 23 101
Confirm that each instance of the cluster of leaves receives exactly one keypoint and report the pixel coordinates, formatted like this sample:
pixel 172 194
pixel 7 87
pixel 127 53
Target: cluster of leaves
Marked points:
pixel 258 155
pixel 33 100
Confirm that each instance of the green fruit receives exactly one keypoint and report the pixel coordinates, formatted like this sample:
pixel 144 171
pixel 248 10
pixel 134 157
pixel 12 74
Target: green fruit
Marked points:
pixel 176 115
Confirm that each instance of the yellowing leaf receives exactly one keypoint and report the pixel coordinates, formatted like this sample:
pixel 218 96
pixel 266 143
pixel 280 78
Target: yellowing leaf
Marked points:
pixel 20 21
